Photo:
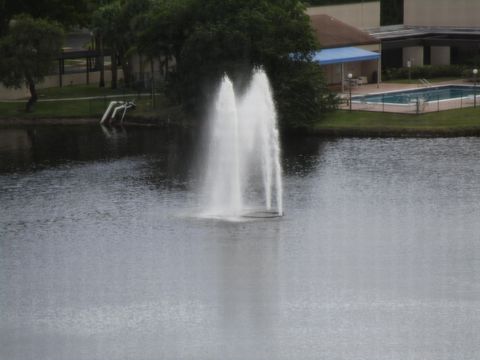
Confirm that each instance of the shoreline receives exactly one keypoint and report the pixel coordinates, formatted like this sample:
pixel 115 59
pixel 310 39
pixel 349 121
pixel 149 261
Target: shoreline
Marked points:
pixel 333 132
pixel 394 133
pixel 138 120
pixel 47 121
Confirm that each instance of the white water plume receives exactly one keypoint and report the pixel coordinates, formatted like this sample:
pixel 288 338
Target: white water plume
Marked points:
pixel 243 158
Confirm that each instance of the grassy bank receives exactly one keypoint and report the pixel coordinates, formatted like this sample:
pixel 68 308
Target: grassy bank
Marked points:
pixel 63 109
pixel 78 102
pixel 444 123
pixel 458 122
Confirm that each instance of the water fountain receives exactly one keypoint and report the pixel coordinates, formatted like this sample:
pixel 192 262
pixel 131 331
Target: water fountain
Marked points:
pixel 243 160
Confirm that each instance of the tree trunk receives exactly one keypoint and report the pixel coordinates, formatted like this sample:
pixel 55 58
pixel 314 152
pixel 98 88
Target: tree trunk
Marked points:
pixel 33 95
pixel 166 67
pixel 101 62
pixel 114 68
pixel 127 72
pixel 141 75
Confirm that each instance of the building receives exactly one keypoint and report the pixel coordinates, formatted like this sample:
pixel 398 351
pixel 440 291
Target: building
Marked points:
pixel 360 14
pixel 434 32
pixel 345 47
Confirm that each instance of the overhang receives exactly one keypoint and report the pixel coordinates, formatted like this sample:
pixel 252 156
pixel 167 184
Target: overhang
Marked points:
pixel 344 55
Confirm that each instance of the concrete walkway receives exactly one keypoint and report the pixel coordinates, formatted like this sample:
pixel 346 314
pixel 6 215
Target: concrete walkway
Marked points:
pixel 81 98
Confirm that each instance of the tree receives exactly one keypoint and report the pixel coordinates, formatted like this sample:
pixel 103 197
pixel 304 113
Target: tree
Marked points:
pixel 28 53
pixel 211 37
pixel 167 26
pixel 116 26
pixel 106 25
pixel 302 94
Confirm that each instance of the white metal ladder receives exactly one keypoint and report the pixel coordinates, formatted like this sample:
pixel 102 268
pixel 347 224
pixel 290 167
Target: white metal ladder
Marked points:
pixel 425 82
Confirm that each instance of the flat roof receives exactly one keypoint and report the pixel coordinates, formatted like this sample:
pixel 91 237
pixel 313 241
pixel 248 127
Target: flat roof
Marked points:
pixel 392 32
pixel 344 55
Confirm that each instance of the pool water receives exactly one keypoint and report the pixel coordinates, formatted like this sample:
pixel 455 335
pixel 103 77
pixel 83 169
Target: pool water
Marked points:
pixel 427 94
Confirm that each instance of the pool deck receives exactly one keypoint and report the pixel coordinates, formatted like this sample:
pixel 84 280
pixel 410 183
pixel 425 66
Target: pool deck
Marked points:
pixel 433 106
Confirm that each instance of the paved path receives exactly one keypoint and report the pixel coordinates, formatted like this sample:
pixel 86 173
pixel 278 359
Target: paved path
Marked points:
pixel 384 87
pixel 80 98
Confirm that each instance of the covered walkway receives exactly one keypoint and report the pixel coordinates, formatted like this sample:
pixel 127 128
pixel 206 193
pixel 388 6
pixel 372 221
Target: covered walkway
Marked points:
pixel 345 55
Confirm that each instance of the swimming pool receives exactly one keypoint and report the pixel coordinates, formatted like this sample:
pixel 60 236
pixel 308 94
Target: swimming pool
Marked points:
pixel 448 92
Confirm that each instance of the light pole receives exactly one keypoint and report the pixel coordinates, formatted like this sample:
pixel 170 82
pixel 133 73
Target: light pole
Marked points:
pixel 349 76
pixel 409 66
pixel 475 72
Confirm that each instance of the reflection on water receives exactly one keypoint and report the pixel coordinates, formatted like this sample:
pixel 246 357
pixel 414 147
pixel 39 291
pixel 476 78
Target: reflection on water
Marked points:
pixel 100 258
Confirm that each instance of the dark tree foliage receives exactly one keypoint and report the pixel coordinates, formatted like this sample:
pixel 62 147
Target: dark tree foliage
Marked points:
pixel 69 13
pixel 208 38
pixel 117 24
pixel 301 93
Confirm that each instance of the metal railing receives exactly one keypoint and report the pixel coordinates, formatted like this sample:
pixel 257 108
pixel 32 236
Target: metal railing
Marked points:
pixel 425 82
pixel 415 104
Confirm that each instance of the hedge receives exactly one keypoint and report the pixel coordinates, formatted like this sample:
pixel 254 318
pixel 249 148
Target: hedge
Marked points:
pixel 427 72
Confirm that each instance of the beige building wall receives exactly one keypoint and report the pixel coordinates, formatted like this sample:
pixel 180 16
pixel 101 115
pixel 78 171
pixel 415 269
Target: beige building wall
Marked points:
pixel 373 47
pixel 362 15
pixel 333 73
pixel 440 55
pixel 458 13
pixel 414 54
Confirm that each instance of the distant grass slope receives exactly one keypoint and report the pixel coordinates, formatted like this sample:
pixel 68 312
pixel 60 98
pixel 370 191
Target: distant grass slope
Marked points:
pixel 82 108
pixel 451 122
pixel 60 109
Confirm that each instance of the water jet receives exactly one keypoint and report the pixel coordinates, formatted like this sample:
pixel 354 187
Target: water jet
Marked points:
pixel 243 157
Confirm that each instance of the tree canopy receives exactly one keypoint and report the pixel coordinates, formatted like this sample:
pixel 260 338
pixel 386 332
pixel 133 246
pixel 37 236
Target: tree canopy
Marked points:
pixel 118 26
pixel 69 13
pixel 208 38
pixel 196 40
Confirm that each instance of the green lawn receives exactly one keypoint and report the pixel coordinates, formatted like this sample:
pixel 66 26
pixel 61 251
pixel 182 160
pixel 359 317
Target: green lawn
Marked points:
pixel 63 109
pixel 68 109
pixel 450 121
pixel 90 108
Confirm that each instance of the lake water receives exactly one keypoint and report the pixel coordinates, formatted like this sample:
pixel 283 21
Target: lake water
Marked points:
pixel 102 257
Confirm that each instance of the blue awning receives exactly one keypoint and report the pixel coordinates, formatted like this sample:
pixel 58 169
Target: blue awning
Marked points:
pixel 344 55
